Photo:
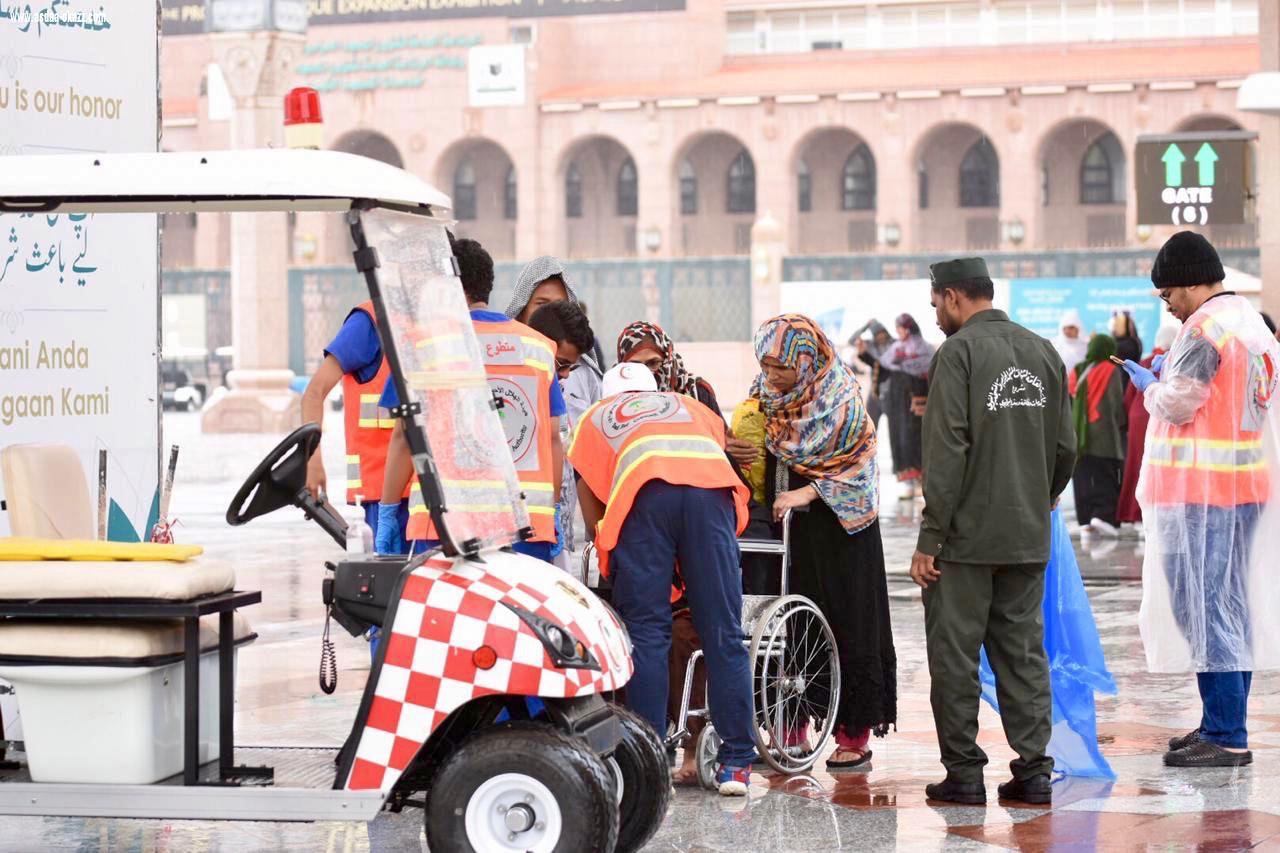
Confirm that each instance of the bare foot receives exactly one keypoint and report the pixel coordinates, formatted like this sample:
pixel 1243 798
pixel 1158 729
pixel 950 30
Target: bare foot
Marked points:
pixel 687 773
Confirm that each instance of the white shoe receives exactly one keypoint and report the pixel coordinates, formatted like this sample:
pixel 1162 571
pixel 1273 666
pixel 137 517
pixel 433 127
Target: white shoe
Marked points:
pixel 1081 530
pixel 1104 528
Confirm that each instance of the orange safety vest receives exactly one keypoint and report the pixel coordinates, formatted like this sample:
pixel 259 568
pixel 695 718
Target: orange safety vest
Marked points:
pixel 521 365
pixel 1218 459
pixel 367 429
pixel 625 441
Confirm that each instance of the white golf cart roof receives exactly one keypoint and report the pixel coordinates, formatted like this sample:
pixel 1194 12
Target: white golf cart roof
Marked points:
pixel 183 181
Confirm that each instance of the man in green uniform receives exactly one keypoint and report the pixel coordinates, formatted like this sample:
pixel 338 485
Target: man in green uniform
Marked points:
pixel 999 448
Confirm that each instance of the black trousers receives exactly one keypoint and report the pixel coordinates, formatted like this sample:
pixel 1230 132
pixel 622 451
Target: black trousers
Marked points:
pixel 1097 488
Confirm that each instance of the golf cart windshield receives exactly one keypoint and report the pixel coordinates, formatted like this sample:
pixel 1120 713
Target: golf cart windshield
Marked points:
pixel 467 479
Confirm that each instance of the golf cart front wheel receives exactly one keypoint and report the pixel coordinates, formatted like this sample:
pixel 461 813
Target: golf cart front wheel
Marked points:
pixel 522 787
pixel 644 781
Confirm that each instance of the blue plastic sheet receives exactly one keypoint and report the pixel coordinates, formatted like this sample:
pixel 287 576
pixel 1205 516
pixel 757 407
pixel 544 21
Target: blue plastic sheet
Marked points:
pixel 1077 667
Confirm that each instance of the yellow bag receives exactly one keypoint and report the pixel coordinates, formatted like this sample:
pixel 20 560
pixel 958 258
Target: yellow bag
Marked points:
pixel 748 425
pixel 72 549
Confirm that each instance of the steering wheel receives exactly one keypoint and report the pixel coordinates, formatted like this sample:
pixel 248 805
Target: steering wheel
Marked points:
pixel 280 480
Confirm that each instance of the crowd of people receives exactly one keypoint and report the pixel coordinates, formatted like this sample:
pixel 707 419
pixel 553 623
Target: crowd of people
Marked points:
pixel 989 429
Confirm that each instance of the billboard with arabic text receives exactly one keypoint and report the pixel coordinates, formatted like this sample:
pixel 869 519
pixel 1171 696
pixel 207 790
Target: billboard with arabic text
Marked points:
pixel 78 293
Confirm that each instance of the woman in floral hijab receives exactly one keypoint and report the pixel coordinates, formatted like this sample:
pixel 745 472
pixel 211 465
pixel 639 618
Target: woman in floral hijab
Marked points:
pixel 822 465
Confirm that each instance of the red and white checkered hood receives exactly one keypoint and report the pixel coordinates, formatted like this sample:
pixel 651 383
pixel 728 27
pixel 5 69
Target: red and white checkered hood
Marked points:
pixel 446 611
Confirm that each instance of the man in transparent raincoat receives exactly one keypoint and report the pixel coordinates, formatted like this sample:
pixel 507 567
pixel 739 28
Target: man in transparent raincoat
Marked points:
pixel 1210 588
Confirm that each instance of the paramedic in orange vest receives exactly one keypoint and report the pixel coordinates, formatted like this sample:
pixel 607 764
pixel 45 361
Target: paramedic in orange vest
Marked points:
pixel 1209 580
pixel 657 488
pixel 522 374
pixel 354 358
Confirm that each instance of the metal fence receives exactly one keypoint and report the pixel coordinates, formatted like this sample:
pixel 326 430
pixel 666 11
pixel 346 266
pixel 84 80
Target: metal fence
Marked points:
pixel 1058 264
pixel 320 298
pixel 708 299
pixel 215 287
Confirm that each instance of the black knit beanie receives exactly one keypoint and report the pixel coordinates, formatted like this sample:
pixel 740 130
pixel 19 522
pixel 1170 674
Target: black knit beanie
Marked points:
pixel 1187 259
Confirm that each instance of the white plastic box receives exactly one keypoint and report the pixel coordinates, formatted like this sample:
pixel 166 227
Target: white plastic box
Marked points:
pixel 111 724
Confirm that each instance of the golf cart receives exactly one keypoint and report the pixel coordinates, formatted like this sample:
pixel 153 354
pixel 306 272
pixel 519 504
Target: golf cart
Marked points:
pixel 486 704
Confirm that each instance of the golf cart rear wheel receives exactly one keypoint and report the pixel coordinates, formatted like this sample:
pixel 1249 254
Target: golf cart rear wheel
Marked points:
pixel 522 787
pixel 644 781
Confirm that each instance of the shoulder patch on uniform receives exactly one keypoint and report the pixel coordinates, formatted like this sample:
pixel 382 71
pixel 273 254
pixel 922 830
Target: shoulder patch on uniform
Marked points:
pixel 1196 332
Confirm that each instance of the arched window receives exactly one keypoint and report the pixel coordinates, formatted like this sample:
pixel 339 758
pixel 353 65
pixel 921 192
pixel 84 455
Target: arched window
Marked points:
pixel 628 192
pixel 464 191
pixel 688 189
pixel 858 181
pixel 980 176
pixel 510 197
pixel 1102 172
pixel 742 184
pixel 573 192
pixel 804 187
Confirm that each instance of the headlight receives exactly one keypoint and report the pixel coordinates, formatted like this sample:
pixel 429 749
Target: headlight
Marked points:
pixel 566 651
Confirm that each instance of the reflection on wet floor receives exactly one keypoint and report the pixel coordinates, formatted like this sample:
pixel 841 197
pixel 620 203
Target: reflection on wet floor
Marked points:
pixel 1148 807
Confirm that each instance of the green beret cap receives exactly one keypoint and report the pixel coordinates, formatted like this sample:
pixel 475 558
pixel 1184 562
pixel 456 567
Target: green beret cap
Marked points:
pixel 961 269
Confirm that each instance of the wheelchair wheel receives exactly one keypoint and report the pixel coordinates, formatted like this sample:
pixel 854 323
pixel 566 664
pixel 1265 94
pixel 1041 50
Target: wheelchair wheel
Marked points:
pixel 707 749
pixel 797 683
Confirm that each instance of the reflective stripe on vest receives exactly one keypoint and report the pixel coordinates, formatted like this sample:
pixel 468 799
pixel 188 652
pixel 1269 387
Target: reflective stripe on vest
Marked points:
pixel 1206 454
pixel 373 416
pixel 367 429
pixel 477 496
pixel 668 446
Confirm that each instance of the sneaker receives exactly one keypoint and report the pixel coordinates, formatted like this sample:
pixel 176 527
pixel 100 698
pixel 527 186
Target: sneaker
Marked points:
pixel 733 781
pixel 1177 743
pixel 951 791
pixel 1104 528
pixel 1081 530
pixel 1205 754
pixel 1035 790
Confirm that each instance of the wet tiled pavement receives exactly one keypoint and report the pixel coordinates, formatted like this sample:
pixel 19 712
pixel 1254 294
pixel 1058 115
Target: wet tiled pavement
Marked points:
pixel 1149 807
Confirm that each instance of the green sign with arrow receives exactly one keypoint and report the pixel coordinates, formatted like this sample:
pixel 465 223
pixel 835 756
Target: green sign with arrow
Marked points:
pixel 1206 159
pixel 1173 159
pixel 1194 178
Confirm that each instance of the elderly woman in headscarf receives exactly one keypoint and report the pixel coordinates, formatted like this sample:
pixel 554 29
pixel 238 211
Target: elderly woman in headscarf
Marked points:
pixel 1100 421
pixel 905 366
pixel 822 465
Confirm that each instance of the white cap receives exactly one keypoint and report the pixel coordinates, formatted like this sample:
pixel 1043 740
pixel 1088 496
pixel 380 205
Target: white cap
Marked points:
pixel 627 376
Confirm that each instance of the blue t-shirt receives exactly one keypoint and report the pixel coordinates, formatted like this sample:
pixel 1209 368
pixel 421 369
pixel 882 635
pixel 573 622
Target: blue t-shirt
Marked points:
pixel 390 399
pixel 357 348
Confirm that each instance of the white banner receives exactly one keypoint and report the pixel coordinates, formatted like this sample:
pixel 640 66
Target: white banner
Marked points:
pixel 78 294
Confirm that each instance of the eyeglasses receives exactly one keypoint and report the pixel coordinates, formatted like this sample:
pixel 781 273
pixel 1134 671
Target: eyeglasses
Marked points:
pixel 1165 294
pixel 563 366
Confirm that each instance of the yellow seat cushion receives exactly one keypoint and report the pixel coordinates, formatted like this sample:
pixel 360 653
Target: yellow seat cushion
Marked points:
pixel 26 550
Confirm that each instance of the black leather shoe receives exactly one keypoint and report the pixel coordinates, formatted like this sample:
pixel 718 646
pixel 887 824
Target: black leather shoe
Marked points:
pixel 951 791
pixel 1189 739
pixel 1035 790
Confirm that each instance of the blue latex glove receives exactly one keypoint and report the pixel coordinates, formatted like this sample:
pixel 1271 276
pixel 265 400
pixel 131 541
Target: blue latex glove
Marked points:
pixel 389 539
pixel 1157 363
pixel 1142 378
pixel 558 546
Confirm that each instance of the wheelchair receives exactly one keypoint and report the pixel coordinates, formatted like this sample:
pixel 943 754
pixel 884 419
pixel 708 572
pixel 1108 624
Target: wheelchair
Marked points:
pixel 795 684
